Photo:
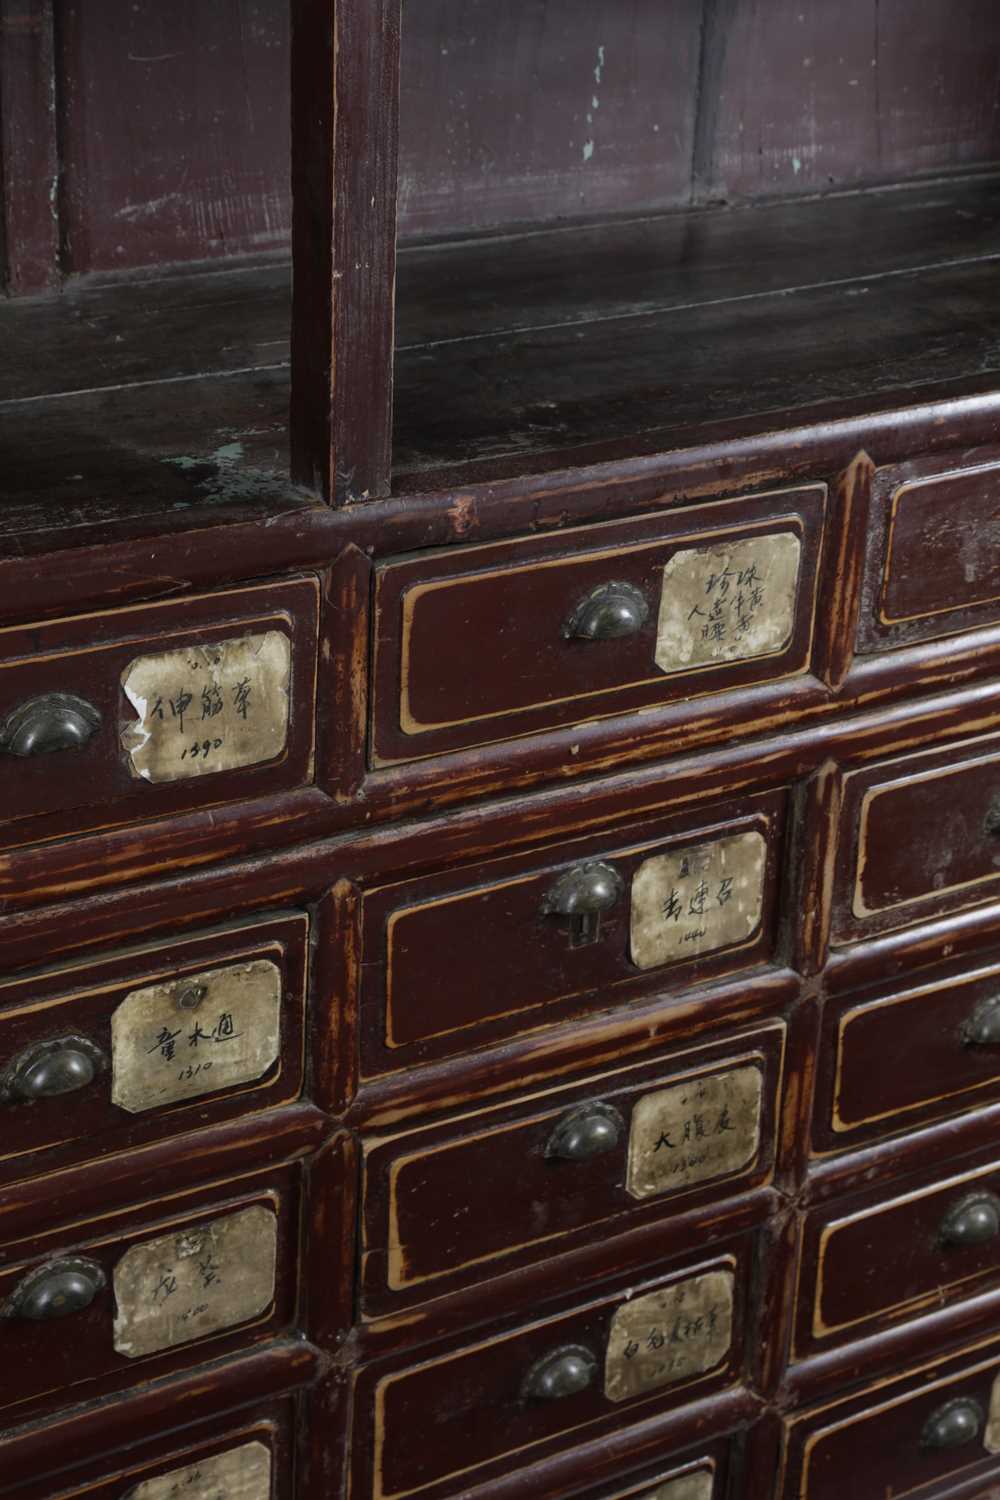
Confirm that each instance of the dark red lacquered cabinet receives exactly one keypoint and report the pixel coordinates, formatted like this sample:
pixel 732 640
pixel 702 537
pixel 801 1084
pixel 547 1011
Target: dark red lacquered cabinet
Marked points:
pixel 499 750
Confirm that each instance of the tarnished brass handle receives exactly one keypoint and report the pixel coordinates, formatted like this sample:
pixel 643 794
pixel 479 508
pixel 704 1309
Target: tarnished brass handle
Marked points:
pixel 610 612
pixel 590 1130
pixel 581 897
pixel 51 1068
pixel 957 1422
pixel 982 1027
pixel 56 1290
pixel 565 1372
pixel 56 721
pixel 973 1220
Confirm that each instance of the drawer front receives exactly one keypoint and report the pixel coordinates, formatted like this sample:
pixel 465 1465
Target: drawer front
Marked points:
pixel 921 835
pixel 140 1045
pixel 137 1295
pixel 138 712
pixel 919 1053
pixel 487 643
pixel 457 961
pixel 584 1161
pixel 875 1259
pixel 552 1381
pixel 939 1425
pixel 245 1460
pixel 933 564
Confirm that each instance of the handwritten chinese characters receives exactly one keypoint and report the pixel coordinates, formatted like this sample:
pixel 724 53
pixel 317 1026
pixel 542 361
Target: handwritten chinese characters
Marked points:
pixel 694 900
pixel 728 603
pixel 199 1280
pixel 195 1035
pixel 671 1335
pixel 240 1474
pixel 208 708
pixel 697 1485
pixel 695 1131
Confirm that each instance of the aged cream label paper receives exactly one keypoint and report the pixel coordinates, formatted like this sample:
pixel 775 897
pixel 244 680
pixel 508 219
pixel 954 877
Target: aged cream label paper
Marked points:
pixel 696 1486
pixel 195 1035
pixel 670 1335
pixel 241 1474
pixel 208 708
pixel 694 900
pixel 727 603
pixel 991 1437
pixel 694 1131
pixel 195 1281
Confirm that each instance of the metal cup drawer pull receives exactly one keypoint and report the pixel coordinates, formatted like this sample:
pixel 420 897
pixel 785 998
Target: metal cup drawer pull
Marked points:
pixel 954 1424
pixel 48 1069
pixel 581 897
pixel 973 1220
pixel 564 1372
pixel 610 612
pixel 55 721
pixel 589 1130
pixel 56 1290
pixel 982 1028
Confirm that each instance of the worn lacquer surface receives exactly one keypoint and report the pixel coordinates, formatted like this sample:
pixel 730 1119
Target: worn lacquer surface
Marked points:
pixel 195 1281
pixel 208 708
pixel 195 1035
pixel 694 900
pixel 239 1474
pixel 708 1127
pixel 674 1334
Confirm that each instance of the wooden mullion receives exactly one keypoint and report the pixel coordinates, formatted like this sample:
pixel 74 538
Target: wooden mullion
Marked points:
pixel 345 106
pixel 29 151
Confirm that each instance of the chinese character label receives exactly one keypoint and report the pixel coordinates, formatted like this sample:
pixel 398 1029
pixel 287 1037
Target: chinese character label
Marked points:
pixel 162 1051
pixel 728 603
pixel 694 1132
pixel 208 708
pixel 668 1336
pixel 241 1474
pixel 198 1281
pixel 695 1486
pixel 695 900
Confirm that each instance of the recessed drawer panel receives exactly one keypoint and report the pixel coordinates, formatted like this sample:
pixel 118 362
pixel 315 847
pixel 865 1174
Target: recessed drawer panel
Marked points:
pixel 456 961
pixel 877 1258
pixel 134 1046
pixel 896 1060
pixel 921 835
pixel 934 550
pixel 592 1159
pixel 937 1424
pixel 485 643
pixel 149 1290
pixel 142 711
pixel 551 1381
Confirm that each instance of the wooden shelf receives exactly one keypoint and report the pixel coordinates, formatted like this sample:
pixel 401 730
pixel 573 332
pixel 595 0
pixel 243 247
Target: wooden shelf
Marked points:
pixel 515 353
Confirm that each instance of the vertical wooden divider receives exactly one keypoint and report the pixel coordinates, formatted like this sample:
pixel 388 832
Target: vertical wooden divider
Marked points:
pixel 345 116
pixel 29 156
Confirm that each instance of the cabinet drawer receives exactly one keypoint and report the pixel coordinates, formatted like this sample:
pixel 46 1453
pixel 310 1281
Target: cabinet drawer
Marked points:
pixel 876 1258
pixel 921 836
pixel 129 1047
pixel 142 711
pixel 940 1423
pixel 456 961
pixel 481 644
pixel 135 1294
pixel 899 1059
pixel 698 1477
pixel 592 1159
pixel 637 1350
pixel 933 563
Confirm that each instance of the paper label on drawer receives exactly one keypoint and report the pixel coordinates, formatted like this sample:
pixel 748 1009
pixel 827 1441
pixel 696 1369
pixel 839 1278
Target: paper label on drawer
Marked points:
pixel 991 1437
pixel 241 1474
pixel 694 1131
pixel 208 708
pixel 195 1281
pixel 195 1035
pixel 729 602
pixel 670 1335
pixel 694 900
pixel 697 1486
